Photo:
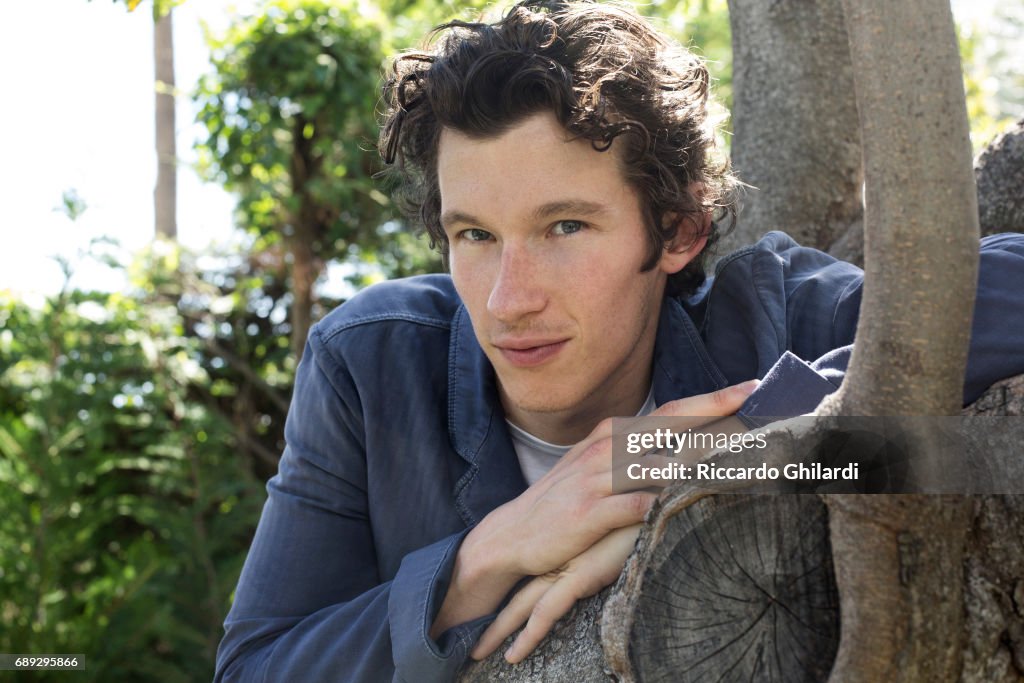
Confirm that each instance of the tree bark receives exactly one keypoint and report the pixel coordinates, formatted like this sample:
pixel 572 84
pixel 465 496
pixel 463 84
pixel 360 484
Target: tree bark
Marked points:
pixel 993 648
pixel 999 170
pixel 165 193
pixel 796 140
pixel 571 653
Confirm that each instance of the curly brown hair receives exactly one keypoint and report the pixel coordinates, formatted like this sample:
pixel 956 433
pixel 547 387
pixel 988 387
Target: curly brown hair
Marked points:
pixel 605 72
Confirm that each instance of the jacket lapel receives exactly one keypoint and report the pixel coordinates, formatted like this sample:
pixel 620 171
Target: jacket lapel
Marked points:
pixel 488 474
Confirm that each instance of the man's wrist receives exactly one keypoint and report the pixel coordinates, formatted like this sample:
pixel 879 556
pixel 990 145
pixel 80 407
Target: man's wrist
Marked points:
pixel 483 573
pixel 480 580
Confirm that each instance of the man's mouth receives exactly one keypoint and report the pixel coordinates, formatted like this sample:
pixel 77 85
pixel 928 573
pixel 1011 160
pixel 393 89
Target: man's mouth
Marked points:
pixel 527 353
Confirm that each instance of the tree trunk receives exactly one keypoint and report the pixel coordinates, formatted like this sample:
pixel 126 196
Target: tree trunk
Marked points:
pixel 902 602
pixel 305 272
pixel 165 193
pixel 307 225
pixel 796 140
pixel 921 223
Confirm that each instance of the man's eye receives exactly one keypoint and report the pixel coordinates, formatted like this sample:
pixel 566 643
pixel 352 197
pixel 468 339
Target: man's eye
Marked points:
pixel 567 227
pixel 476 235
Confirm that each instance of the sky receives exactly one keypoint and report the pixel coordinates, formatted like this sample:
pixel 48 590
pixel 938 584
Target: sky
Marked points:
pixel 77 84
pixel 77 114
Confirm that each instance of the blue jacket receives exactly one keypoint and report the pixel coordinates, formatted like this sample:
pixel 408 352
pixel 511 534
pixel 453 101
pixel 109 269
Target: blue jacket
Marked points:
pixel 397 446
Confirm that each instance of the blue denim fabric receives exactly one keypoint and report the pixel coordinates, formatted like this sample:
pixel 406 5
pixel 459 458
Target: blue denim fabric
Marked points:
pixel 397 445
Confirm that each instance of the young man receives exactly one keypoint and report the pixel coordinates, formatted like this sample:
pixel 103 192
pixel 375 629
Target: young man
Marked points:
pixel 449 438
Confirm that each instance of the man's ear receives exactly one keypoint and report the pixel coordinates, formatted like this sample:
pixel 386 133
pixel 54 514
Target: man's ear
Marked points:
pixel 690 238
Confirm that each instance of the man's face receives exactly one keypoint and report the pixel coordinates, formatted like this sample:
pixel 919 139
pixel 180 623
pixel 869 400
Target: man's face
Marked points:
pixel 546 245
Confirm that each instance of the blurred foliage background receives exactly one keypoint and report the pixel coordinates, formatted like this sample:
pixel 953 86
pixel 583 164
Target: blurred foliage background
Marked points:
pixel 137 428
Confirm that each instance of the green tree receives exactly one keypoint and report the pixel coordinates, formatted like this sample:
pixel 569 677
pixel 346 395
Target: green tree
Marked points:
pixel 289 111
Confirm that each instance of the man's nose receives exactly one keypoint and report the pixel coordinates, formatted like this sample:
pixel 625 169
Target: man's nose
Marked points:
pixel 518 288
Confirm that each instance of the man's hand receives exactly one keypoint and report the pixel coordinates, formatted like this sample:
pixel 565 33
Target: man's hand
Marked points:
pixel 546 599
pixel 563 514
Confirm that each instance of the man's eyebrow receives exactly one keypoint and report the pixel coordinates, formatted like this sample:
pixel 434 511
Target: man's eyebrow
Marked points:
pixel 569 207
pixel 453 216
pixel 564 207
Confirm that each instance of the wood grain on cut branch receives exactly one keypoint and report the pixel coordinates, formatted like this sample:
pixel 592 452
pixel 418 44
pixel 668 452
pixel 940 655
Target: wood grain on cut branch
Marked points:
pixel 735 588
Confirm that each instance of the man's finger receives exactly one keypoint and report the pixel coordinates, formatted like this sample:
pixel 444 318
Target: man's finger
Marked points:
pixel 552 606
pixel 621 509
pixel 716 404
pixel 514 615
pixel 694 411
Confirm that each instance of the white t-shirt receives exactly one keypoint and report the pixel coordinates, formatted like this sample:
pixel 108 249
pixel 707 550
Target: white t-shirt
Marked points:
pixel 537 456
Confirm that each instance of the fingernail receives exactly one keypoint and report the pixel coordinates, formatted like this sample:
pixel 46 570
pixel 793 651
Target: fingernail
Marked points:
pixel 513 655
pixel 749 386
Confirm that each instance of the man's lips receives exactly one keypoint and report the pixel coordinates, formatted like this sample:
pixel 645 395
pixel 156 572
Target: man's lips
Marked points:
pixel 525 353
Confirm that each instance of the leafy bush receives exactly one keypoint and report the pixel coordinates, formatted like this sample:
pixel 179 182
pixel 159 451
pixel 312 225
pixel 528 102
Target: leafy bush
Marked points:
pixel 130 481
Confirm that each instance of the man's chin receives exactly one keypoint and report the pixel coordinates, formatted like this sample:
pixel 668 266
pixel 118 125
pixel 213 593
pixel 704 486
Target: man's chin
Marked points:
pixel 541 406
pixel 539 401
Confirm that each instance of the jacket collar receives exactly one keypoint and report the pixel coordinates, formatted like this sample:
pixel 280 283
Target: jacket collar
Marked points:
pixel 476 421
pixel 682 364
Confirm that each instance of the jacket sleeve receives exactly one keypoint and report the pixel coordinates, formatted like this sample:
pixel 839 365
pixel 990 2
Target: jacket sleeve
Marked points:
pixel 794 386
pixel 310 604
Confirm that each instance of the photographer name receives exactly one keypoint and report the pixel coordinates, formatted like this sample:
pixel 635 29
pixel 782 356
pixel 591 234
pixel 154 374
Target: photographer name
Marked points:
pixel 714 472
